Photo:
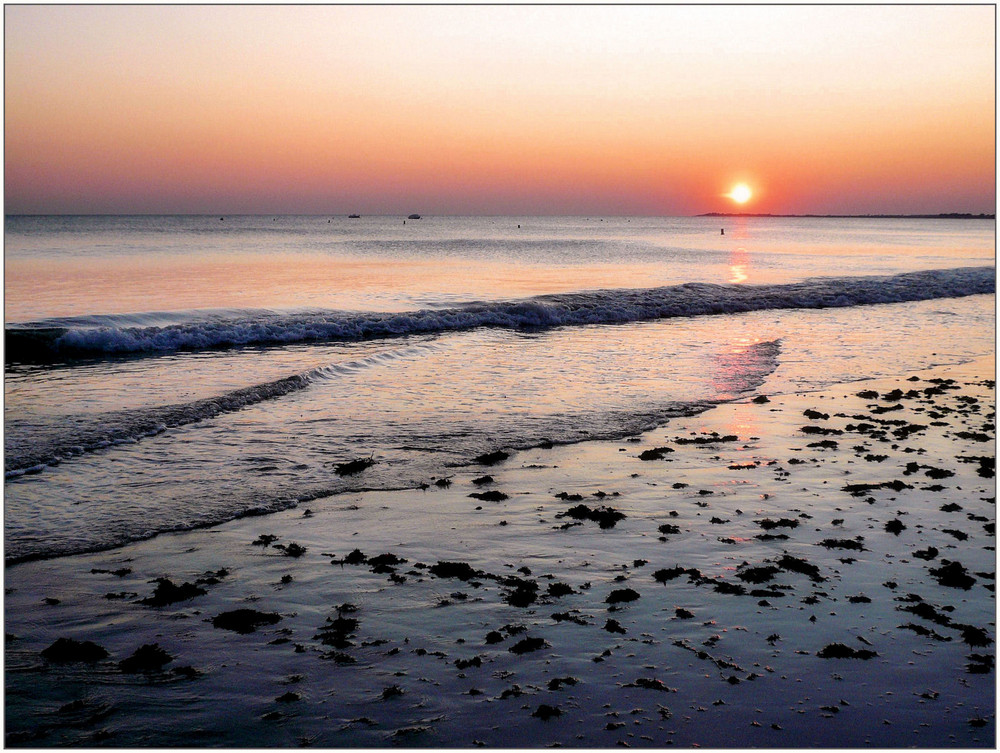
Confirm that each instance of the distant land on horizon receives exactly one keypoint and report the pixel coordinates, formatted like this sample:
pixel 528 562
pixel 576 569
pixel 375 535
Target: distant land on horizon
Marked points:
pixel 941 216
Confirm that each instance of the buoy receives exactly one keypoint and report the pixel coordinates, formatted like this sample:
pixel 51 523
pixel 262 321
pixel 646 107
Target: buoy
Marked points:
pixel 723 231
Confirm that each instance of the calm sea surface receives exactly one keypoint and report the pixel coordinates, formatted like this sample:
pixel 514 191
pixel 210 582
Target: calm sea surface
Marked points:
pixel 170 372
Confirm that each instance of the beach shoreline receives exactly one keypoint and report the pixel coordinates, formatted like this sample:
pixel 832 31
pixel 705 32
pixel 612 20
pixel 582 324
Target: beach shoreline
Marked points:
pixel 532 616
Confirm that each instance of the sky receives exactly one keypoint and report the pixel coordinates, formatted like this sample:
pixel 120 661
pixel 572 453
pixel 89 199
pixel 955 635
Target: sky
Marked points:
pixel 533 110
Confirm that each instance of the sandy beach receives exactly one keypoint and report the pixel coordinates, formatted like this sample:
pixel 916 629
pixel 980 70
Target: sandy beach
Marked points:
pixel 800 570
pixel 502 376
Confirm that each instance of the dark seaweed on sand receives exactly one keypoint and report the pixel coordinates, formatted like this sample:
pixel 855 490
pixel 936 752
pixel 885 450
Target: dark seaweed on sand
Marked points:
pixel 523 592
pixel 972 635
pixel 758 574
pixel 475 661
pixel 820 430
pixel 859 490
pixel 490 496
pixel 147 658
pixel 815 415
pixel 244 620
pixel 842 544
pixel 928 612
pixel 709 439
pixel 337 632
pixel 669 573
pixel 356 557
pixel 557 589
pixel 388 559
pixel 767 524
pixel 840 651
pixel 953 575
pixel 927 632
pixel 354 466
pixel 980 664
pixel 605 517
pixel 797 565
pixel 656 453
pixel 895 527
pixel 613 626
pixel 569 617
pixel 527 645
pixel 119 573
pixel 491 458
pixel 69 650
pixel 546 712
pixel 167 592
pixel 621 596
pixel 974 436
pixel 557 682
pixel 649 683
pixel 460 570
pixel 724 587
pixel 987 465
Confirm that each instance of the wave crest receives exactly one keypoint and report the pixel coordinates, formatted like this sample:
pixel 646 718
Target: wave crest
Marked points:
pixel 57 340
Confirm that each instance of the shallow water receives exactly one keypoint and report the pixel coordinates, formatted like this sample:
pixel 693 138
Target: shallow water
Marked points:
pixel 164 421
pixel 741 670
pixel 175 373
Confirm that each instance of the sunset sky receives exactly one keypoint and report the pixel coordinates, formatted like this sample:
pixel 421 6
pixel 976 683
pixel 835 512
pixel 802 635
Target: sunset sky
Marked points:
pixel 641 110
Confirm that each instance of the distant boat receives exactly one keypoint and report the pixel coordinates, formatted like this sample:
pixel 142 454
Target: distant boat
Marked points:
pixel 354 216
pixel 413 217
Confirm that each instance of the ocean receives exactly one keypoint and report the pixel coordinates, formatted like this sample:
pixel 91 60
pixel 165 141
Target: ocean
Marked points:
pixel 173 372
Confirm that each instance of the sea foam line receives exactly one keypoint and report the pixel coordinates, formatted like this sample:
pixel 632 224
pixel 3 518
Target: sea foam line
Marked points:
pixel 28 343
pixel 110 429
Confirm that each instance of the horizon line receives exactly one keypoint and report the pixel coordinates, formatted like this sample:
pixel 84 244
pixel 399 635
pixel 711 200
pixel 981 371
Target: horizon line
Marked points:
pixel 342 215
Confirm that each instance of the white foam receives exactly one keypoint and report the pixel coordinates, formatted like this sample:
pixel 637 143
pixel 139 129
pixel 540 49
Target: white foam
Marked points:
pixel 590 307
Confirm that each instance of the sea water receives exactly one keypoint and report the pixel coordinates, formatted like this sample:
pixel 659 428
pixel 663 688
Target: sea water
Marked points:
pixel 164 373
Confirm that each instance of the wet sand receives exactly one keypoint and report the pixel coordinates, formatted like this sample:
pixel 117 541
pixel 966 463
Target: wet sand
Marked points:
pixel 816 570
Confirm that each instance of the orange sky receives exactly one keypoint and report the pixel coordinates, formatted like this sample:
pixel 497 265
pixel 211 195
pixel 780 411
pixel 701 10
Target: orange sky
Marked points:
pixel 499 110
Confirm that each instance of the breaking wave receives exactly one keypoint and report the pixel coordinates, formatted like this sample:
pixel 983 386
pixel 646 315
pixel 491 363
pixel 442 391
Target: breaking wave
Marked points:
pixel 55 339
pixel 77 435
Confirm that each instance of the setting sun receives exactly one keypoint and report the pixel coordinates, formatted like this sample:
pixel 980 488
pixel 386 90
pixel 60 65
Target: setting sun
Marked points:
pixel 741 193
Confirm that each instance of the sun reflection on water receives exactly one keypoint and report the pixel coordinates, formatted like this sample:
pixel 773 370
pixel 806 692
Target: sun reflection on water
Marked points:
pixel 739 266
pixel 741 364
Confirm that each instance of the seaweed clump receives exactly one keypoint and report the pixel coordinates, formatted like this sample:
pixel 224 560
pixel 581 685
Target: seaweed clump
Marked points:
pixel 460 570
pixel 147 658
pixel 621 596
pixel 352 467
pixel 244 621
pixel 491 458
pixel 167 592
pixel 69 650
pixel 840 651
pixel 953 575
pixel 605 517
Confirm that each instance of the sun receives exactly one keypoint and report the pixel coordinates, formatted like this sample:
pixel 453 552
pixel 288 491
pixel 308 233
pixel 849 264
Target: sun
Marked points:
pixel 741 193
